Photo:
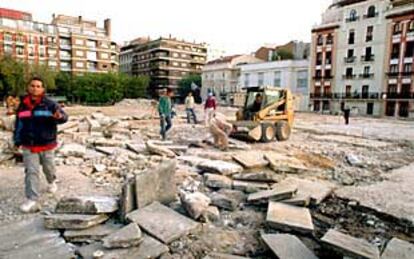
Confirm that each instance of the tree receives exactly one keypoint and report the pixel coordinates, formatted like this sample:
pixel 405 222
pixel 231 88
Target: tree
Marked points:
pixel 184 85
pixel 282 54
pixel 12 76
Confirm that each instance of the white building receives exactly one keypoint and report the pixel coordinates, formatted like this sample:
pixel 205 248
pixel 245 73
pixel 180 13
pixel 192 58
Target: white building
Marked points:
pixel 221 76
pixel 291 74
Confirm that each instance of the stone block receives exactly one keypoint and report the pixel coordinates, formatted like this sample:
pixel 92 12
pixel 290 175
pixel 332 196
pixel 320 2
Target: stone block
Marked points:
pixel 398 248
pixel 251 159
pixel 350 246
pixel 125 237
pixel 195 203
pixel 73 221
pixel 250 187
pixel 279 192
pixel 87 205
pixel 217 181
pixel 219 167
pixel 162 222
pixel 286 246
pixel 90 234
pixel 289 218
pixel 227 199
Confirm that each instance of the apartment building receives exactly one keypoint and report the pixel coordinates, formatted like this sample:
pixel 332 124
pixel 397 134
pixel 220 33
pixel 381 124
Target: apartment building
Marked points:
pixel 70 44
pixel 399 94
pixel 165 60
pixel 290 74
pixel 351 58
pixel 221 76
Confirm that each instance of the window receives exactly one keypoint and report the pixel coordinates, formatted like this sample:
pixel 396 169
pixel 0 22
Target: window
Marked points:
pixel 31 51
pixel 409 51
pixel 104 56
pixel 8 37
pixel 328 73
pixel 367 70
pixel 52 63
pixel 328 58
pixel 353 16
pixel 20 38
pixel 79 53
pixel 408 68
pixel 260 80
pixel 19 50
pixel 348 90
pixel 246 79
pixel 371 12
pixel 394 69
pixel 350 53
pixel 8 49
pixel 318 74
pixel 329 39
pixel 175 55
pixel 302 79
pixel 351 37
pixel 395 52
pixel 91 43
pixel 80 64
pixel 91 55
pixel 349 72
pixel 397 28
pixel 42 52
pixel 320 40
pixel 368 54
pixel 319 59
pixel 369 36
pixel 79 42
pixel 277 80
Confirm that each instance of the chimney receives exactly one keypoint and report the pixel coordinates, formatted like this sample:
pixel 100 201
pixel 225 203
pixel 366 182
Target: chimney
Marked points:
pixel 80 19
pixel 107 27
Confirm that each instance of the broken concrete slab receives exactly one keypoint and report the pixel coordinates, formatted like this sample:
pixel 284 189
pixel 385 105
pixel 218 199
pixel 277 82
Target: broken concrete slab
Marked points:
pixel 350 246
pixel 87 205
pixel 149 248
pixel 398 248
pixel 354 141
pixel 156 184
pixel 195 203
pixel 223 256
pixel 393 197
pixel 353 160
pixel 137 148
pixel 211 214
pixel 67 126
pixel 286 246
pixel 162 222
pixel 128 198
pixel 90 234
pixel 73 221
pixel 289 218
pixel 217 181
pixel 125 237
pixel 249 186
pixel 285 164
pixel 277 193
pixel 103 142
pixel 251 159
pixel 159 150
pixel 266 176
pixel 192 160
pixel 317 191
pixel 29 239
pixel 219 167
pixel 73 149
pixel 227 199
pixel 94 125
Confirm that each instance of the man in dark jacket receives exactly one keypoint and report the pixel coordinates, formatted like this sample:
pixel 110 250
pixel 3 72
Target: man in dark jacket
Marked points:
pixel 35 132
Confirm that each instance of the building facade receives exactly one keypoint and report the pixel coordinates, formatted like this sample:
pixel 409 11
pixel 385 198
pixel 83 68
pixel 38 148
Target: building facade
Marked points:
pixel 290 74
pixel 165 60
pixel 221 76
pixel 69 44
pixel 399 66
pixel 350 52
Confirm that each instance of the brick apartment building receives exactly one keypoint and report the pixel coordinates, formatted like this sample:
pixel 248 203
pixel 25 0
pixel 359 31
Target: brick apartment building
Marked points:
pixel 165 60
pixel 68 43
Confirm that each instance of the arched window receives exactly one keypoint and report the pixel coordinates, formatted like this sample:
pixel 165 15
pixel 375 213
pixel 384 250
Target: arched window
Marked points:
pixel 397 28
pixel 353 15
pixel 371 11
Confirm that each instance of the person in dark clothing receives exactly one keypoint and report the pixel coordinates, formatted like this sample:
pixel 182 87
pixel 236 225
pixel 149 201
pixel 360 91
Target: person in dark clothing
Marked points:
pixel 255 107
pixel 347 112
pixel 164 110
pixel 36 132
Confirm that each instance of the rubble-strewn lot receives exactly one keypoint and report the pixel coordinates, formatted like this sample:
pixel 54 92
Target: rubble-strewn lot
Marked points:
pixel 330 191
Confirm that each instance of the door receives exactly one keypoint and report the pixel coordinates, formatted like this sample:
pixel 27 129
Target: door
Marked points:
pixel 370 108
pixel 403 110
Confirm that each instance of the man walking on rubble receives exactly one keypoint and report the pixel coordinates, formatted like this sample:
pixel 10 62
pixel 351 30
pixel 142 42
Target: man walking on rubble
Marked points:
pixel 164 109
pixel 189 108
pixel 209 108
pixel 220 129
pixel 36 133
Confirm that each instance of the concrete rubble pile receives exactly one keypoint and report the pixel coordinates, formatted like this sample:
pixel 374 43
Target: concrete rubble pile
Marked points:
pixel 179 199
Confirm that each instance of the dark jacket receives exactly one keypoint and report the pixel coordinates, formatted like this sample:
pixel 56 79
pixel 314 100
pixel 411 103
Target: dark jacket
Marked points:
pixel 37 127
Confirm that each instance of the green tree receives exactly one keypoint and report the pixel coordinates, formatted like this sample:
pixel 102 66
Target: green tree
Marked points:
pixel 184 85
pixel 12 76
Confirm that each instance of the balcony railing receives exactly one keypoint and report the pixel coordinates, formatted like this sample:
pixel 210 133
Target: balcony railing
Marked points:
pixel 393 74
pixel 349 59
pixel 342 95
pixel 352 19
pixel 394 95
pixel 407 73
pixel 366 75
pixel 404 74
pixel 348 76
pixel 367 58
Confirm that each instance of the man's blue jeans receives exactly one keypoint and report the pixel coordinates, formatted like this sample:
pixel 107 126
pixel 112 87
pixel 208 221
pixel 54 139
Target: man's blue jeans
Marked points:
pixel 165 124
pixel 191 113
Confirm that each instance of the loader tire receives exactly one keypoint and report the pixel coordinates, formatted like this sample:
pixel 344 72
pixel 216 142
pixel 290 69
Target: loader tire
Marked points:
pixel 282 130
pixel 268 132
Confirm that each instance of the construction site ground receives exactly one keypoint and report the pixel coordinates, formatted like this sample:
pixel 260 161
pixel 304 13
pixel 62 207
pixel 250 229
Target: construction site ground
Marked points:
pixel 370 162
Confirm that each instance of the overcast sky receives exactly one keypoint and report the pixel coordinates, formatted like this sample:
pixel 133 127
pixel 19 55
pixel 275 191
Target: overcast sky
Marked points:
pixel 235 26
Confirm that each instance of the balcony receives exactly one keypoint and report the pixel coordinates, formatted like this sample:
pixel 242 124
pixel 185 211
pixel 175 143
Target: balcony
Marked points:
pixel 407 73
pixel 371 15
pixel 393 74
pixel 350 96
pixel 349 59
pixel 394 95
pixel 366 75
pixel 65 46
pixel 321 95
pixel 348 76
pixel 352 19
pixel 367 58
